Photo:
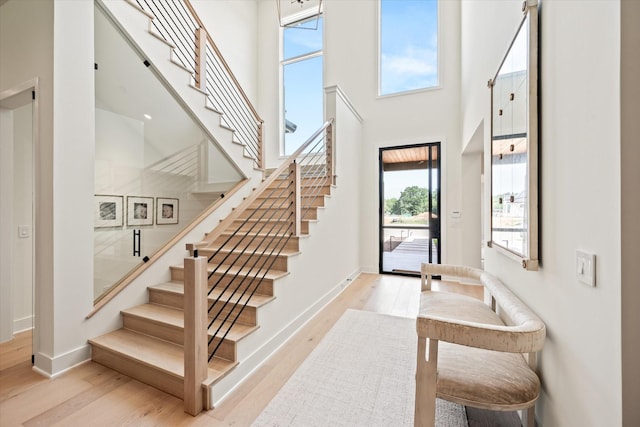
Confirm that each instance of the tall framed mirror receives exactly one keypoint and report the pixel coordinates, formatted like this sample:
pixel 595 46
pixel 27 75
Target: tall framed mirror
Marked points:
pixel 514 145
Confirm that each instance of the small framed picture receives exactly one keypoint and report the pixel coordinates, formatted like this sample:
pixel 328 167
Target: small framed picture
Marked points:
pixel 166 211
pixel 108 211
pixel 139 210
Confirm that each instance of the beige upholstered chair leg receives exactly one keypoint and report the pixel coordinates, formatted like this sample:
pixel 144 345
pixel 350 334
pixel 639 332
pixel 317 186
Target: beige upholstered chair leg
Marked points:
pixel 426 376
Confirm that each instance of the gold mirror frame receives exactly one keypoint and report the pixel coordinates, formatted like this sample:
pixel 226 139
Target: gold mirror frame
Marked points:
pixel 514 145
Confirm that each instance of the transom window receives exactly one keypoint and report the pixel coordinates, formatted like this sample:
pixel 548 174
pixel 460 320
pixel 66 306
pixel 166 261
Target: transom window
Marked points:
pixel 302 82
pixel 408 45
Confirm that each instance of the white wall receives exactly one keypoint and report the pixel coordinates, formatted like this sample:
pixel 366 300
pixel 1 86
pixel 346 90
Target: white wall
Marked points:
pixel 6 225
pixel 73 132
pixel 580 200
pixel 429 116
pixel 350 61
pixel 232 25
pixel 32 24
pixel 269 77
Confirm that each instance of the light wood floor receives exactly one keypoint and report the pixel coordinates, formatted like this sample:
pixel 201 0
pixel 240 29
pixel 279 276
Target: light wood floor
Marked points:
pixel 94 395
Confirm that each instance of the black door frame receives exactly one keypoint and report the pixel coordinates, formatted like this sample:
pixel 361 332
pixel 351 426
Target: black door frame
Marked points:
pixel 434 226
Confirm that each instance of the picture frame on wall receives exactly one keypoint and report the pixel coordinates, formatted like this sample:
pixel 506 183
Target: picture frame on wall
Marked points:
pixel 108 211
pixel 167 210
pixel 139 210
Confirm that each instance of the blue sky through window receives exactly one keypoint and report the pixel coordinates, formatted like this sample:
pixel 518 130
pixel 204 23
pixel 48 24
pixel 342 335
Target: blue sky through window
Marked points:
pixel 301 39
pixel 303 82
pixel 408 45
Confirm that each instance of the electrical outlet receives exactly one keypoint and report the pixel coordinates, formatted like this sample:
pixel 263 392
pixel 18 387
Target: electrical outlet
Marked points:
pixel 586 268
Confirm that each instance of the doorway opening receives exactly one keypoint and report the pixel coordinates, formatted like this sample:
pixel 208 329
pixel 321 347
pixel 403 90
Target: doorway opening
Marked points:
pixel 409 208
pixel 17 244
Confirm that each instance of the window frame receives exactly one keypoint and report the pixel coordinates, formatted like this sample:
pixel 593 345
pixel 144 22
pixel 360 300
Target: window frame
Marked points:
pixel 295 59
pixel 439 67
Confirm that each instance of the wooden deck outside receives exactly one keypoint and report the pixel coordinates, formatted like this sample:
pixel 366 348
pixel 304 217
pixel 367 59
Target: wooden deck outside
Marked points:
pixel 407 256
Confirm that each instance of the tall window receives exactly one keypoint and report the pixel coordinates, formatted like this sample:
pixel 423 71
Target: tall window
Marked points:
pixel 302 82
pixel 408 45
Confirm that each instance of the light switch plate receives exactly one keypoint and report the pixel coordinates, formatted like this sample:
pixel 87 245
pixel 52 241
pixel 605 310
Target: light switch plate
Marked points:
pixel 586 268
pixel 24 231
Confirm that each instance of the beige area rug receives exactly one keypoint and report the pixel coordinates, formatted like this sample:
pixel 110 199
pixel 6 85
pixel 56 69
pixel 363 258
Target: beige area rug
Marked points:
pixel 361 374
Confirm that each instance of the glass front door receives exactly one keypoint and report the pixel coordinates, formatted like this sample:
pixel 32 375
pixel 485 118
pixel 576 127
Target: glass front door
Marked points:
pixel 409 208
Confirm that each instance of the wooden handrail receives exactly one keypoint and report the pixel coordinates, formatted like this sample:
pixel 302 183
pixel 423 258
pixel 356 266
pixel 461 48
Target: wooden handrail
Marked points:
pixel 137 271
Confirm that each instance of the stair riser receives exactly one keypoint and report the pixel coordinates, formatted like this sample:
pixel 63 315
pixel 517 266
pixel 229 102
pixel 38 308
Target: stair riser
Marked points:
pixel 170 299
pixel 176 300
pixel 279 228
pixel 254 261
pixel 309 213
pixel 304 182
pixel 317 202
pixel 307 193
pixel 225 351
pixel 140 371
pixel 265 287
pixel 149 327
pixel 260 242
pixel 248 316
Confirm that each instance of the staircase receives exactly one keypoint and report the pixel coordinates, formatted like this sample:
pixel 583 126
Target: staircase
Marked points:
pixel 247 253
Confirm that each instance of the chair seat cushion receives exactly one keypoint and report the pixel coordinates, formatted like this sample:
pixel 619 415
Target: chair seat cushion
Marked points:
pixel 484 378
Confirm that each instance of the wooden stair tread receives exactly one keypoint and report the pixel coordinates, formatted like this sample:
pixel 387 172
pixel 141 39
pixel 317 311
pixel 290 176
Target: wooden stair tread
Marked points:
pixel 157 313
pixel 276 195
pixel 144 349
pixel 257 299
pixel 177 287
pixel 283 252
pixel 261 233
pixel 239 330
pixel 175 317
pixel 262 220
pixel 271 274
pixel 242 272
pixel 156 353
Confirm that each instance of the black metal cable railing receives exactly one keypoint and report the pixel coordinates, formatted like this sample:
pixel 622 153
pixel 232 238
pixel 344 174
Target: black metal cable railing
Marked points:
pixel 174 23
pixel 244 253
pixel 177 23
pixel 226 98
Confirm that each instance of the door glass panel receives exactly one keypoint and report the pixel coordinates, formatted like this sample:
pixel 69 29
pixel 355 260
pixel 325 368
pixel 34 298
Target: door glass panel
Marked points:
pixel 410 198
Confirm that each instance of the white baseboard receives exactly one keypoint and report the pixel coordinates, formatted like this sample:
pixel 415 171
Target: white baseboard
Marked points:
pixel 51 367
pixel 24 324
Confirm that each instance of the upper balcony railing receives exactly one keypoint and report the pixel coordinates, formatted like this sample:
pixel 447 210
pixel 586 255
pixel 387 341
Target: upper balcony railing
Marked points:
pixel 177 22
